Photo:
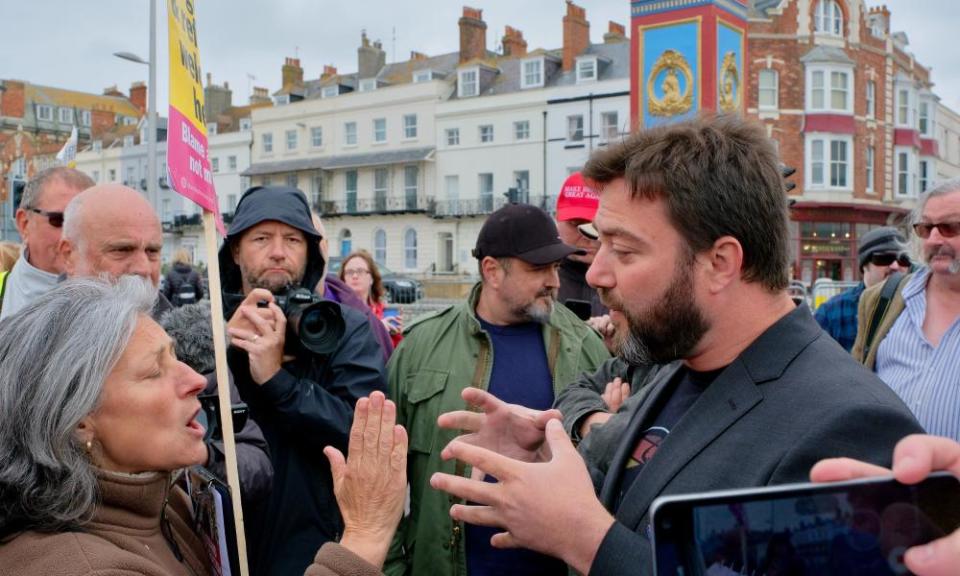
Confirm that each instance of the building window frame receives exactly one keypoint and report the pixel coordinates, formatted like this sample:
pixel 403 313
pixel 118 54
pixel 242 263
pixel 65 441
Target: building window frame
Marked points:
pixel 330 91
pixel 609 125
pixel 349 133
pixel 485 133
pixel 521 130
pixel 45 112
pixel 871 98
pixel 468 82
pixel 291 140
pixel 452 136
pixel 828 18
pixel 904 172
pixel 829 161
pixel 266 142
pixel 65 115
pixel 420 76
pixel 531 73
pixel 380 246
pixel 586 70
pixel 379 130
pixel 316 136
pixel 410 127
pixel 768 89
pixel 575 128
pixel 410 249
pixel 869 167
pixel 822 89
pixel 368 85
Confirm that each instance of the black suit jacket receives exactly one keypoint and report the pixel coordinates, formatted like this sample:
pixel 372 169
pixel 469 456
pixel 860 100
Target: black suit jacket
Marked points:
pixel 792 398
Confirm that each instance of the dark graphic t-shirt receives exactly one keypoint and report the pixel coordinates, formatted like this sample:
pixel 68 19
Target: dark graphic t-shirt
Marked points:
pixel 687 386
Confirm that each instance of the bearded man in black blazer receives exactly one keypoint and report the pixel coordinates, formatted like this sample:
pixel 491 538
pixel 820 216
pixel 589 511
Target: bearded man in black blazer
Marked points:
pixel 693 265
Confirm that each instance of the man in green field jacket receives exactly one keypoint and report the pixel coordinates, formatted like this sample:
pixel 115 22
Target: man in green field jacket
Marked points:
pixel 508 337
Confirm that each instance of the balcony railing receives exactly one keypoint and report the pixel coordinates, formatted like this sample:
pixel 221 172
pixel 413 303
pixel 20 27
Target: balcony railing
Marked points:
pixel 376 205
pixel 487 204
pixel 428 205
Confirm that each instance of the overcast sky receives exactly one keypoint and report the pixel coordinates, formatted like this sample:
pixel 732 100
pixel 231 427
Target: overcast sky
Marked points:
pixel 68 43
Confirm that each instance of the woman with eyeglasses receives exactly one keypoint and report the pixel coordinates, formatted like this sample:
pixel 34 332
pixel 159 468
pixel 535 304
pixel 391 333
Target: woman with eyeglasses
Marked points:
pixel 361 274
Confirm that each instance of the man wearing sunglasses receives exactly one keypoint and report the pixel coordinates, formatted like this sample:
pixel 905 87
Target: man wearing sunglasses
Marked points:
pixel 915 345
pixel 881 252
pixel 39 222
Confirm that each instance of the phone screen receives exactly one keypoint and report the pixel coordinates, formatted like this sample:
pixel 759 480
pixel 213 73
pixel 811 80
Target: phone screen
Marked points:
pixel 390 312
pixel 860 527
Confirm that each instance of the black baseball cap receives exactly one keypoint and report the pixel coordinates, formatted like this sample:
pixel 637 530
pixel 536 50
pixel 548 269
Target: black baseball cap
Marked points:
pixel 525 232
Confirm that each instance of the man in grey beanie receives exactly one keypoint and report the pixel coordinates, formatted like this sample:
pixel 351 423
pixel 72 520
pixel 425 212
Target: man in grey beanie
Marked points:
pixel 880 252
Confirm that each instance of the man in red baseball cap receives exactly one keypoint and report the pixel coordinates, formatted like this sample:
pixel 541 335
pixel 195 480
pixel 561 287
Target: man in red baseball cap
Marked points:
pixel 576 205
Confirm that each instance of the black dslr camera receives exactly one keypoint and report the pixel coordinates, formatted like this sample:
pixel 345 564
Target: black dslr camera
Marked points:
pixel 312 322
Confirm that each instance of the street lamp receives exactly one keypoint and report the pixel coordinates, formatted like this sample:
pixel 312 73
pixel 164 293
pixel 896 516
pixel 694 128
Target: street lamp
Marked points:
pixel 151 102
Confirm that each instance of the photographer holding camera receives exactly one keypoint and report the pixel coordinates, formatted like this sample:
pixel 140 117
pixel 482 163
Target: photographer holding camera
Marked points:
pixel 299 362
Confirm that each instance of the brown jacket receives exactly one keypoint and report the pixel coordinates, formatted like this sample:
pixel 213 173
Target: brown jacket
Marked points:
pixel 868 304
pixel 335 560
pixel 123 538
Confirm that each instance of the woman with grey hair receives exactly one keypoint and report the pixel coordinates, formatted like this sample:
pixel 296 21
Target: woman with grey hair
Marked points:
pixel 97 414
pixel 98 417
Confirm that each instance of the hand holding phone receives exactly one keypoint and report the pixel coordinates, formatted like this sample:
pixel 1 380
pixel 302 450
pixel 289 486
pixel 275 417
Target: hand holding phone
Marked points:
pixel 862 526
pixel 393 320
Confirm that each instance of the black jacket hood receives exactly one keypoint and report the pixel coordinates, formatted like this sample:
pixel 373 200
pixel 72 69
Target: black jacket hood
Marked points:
pixel 281 204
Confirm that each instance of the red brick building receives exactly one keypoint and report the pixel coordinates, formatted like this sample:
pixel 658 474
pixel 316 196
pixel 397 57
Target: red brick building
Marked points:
pixel 35 122
pixel 852 110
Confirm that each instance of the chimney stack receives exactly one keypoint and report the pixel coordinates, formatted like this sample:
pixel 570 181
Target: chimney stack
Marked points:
pixel 473 35
pixel 112 91
pixel 576 34
pixel 616 33
pixel 513 43
pixel 417 56
pixel 260 96
pixel 138 96
pixel 370 57
pixel 328 72
pixel 12 99
pixel 291 73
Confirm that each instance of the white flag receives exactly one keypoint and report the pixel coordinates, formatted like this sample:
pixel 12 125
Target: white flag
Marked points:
pixel 68 154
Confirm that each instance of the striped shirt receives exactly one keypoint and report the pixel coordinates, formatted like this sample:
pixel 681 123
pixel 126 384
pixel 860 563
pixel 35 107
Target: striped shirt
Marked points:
pixel 926 378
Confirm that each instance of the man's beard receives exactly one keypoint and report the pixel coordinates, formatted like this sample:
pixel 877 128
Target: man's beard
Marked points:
pixel 273 285
pixel 535 311
pixel 945 250
pixel 667 330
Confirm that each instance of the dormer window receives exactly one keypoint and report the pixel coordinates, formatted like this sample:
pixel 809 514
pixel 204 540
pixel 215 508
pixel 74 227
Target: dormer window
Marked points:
pixel 586 70
pixel 128 141
pixel 468 82
pixel 84 117
pixel 531 73
pixel 66 115
pixel 44 112
pixel 281 99
pixel 422 76
pixel 330 91
pixel 368 85
pixel 245 124
pixel 97 146
pixel 828 18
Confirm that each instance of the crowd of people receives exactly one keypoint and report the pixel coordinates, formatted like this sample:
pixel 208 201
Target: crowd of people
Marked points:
pixel 640 344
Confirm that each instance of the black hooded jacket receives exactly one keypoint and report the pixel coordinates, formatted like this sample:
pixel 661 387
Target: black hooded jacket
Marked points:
pixel 306 406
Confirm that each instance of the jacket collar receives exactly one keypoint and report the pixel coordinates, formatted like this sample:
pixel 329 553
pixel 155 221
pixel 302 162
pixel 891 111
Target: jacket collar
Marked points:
pixel 131 501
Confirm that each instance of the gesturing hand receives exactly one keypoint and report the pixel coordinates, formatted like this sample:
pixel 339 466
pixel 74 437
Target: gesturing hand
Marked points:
pixel 545 506
pixel 615 394
pixel 914 458
pixel 370 484
pixel 508 429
